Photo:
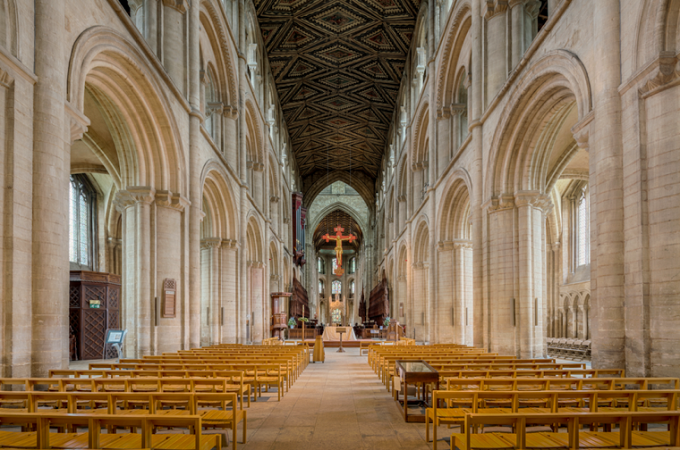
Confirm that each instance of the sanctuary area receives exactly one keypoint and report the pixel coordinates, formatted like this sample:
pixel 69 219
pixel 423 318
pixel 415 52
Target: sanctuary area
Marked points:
pixel 345 209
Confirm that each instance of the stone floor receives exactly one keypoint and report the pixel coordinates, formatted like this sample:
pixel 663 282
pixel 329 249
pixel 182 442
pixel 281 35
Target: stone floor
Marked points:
pixel 339 404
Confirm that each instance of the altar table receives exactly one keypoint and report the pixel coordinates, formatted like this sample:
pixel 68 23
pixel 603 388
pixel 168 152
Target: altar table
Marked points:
pixel 331 334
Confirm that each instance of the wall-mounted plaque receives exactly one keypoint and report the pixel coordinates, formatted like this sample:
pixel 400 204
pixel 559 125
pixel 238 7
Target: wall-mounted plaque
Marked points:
pixel 169 309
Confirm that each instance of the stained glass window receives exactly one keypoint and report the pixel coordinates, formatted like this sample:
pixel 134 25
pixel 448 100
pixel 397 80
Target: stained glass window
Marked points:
pixel 352 265
pixel 351 287
pixel 81 221
pixel 320 266
pixel 336 287
pixel 335 265
pixel 321 289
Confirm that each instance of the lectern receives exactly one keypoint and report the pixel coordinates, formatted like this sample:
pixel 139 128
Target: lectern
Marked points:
pixel 341 331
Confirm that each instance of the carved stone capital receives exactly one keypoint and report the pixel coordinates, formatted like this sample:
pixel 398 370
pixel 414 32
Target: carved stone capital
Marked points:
pixel 78 122
pixel 211 243
pixel 134 195
pixel 5 79
pixel 256 264
pixel 443 113
pixel 258 167
pixel 179 5
pixel 114 242
pixel 504 202
pixel 230 244
pixel 445 246
pixel 534 199
pixel 230 112
pixel 462 244
pixel 274 199
pixel 556 246
pixel 401 198
pixel 494 8
pixel 167 199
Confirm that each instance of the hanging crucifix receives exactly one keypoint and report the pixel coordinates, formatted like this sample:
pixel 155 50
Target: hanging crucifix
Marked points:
pixel 338 246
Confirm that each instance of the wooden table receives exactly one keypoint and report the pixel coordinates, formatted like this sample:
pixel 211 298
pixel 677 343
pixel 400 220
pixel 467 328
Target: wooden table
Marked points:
pixel 415 372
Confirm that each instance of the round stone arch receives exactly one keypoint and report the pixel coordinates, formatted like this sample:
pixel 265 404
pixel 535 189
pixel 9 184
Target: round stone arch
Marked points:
pixel 455 206
pixel 218 194
pixel 147 137
pixel 540 101
pixel 362 185
pixel 217 32
pixel 457 31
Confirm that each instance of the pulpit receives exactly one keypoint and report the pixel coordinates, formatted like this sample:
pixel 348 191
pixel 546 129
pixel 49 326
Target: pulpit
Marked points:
pixel 279 314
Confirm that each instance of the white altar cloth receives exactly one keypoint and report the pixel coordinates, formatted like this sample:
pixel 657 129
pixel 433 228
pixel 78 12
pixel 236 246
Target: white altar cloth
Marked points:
pixel 331 334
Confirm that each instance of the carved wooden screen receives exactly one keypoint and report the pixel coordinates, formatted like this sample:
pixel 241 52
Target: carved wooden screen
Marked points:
pixel 94 307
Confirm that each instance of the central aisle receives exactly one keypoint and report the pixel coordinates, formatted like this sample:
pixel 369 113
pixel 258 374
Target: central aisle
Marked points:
pixel 339 404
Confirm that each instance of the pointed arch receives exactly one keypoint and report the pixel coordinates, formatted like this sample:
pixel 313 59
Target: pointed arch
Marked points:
pixel 363 186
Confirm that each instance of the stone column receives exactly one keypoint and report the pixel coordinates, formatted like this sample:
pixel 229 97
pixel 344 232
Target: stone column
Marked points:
pixel 477 313
pixel 135 204
pixel 174 42
pixel 496 47
pixel 51 168
pixel 531 228
pixel 229 287
pixel 459 255
pixel 214 245
pixel 243 312
pixel 195 188
pixel 606 193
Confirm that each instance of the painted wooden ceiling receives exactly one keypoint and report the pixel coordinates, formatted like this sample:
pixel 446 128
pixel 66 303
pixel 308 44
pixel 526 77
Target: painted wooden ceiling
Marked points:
pixel 338 66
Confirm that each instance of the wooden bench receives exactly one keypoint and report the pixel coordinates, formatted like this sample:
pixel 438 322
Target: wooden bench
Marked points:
pixel 153 403
pixel 460 403
pixel 43 438
pixel 627 437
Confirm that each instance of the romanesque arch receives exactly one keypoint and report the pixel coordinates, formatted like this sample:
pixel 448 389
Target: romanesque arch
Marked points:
pixel 106 65
pixel 9 27
pixel 453 40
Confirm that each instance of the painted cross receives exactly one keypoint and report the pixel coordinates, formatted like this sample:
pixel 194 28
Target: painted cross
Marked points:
pixel 338 245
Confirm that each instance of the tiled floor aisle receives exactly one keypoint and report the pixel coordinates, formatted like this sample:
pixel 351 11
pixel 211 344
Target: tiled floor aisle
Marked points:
pixel 340 404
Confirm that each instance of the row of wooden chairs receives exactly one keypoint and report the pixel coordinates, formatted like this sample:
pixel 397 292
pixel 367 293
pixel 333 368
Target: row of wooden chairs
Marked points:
pixel 36 432
pixel 152 403
pixel 627 435
pixel 457 404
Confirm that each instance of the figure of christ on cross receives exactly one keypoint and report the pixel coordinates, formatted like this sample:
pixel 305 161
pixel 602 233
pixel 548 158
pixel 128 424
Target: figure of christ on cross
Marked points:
pixel 338 245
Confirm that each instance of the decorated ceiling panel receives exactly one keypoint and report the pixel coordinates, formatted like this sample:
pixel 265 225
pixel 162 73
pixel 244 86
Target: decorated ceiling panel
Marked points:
pixel 338 66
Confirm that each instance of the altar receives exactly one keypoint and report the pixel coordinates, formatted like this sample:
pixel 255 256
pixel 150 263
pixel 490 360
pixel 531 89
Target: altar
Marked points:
pixel 331 334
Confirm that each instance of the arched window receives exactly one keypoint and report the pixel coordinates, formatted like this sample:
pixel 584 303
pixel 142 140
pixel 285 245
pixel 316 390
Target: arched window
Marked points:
pixel 320 266
pixel 463 109
pixel 335 265
pixel 352 264
pixel 351 288
pixel 81 222
pixel 583 229
pixel 211 104
pixel 322 290
pixel 336 287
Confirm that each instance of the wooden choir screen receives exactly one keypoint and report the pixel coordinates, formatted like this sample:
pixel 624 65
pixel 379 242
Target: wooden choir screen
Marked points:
pixel 378 303
pixel 94 307
pixel 362 307
pixel 299 302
